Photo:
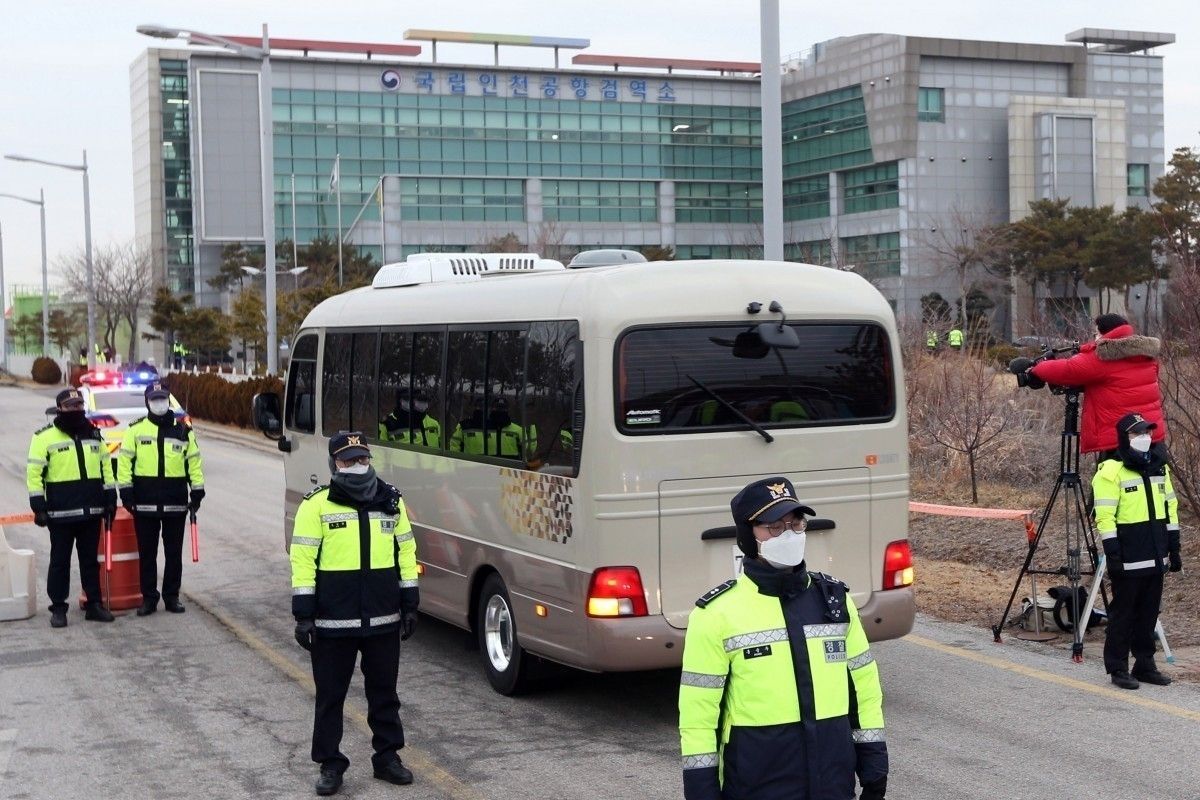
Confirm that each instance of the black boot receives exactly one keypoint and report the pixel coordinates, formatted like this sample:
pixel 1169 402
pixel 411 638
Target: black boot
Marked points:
pixel 98 613
pixel 1124 680
pixel 147 608
pixel 173 605
pixel 58 619
pixel 329 782
pixel 1148 673
pixel 394 771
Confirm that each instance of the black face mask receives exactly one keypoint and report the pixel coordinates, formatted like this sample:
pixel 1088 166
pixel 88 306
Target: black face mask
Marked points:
pixel 73 421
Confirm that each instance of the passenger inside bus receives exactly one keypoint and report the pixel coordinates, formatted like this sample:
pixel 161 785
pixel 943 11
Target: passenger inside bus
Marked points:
pixel 500 436
pixel 410 422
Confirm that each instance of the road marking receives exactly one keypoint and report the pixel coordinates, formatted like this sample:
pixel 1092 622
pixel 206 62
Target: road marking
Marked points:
pixel 421 762
pixel 1123 695
pixel 8 743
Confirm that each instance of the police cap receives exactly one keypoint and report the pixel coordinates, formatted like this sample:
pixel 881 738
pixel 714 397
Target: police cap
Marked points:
pixel 766 500
pixel 346 445
pixel 156 391
pixel 69 398
pixel 1134 423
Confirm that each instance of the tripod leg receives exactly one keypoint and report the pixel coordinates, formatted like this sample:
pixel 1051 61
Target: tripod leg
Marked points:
pixel 1033 546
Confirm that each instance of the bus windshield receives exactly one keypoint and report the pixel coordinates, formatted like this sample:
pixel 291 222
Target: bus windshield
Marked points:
pixel 841 374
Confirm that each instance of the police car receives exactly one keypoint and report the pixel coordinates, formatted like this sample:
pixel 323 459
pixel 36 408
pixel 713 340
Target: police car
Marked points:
pixel 114 398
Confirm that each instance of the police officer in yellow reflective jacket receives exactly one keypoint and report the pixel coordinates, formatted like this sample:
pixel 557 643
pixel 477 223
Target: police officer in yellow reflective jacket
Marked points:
pixel 780 696
pixel 1137 518
pixel 71 489
pixel 160 478
pixel 410 422
pixel 354 590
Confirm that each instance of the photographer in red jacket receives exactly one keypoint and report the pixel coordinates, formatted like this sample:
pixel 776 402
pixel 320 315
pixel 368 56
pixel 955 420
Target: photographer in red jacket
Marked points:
pixel 1118 371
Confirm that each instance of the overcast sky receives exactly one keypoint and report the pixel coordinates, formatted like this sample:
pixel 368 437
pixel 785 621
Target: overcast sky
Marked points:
pixel 64 67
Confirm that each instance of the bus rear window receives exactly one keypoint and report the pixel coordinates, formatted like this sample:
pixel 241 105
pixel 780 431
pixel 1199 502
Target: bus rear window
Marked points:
pixel 687 379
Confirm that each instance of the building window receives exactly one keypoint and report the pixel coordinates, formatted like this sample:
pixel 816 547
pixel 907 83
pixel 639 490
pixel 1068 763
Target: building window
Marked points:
pixel 825 132
pixel 819 251
pixel 599 201
pixel 718 202
pixel 1137 180
pixel 871 188
pixel 872 256
pixel 931 104
pixel 806 198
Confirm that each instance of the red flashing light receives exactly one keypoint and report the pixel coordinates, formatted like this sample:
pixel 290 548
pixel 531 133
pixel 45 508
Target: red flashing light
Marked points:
pixel 897 565
pixel 104 421
pixel 616 592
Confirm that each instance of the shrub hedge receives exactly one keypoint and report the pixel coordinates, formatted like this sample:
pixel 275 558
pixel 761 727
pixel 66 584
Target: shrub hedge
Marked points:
pixel 46 370
pixel 213 398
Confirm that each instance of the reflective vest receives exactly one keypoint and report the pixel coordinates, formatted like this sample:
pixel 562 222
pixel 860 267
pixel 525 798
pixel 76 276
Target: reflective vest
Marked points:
pixel 788 411
pixel 780 696
pixel 955 337
pixel 931 339
pixel 396 428
pixel 506 442
pixel 69 477
pixel 1137 516
pixel 353 570
pixel 159 463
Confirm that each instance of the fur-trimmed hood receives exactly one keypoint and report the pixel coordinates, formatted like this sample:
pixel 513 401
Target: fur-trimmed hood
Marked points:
pixel 1128 347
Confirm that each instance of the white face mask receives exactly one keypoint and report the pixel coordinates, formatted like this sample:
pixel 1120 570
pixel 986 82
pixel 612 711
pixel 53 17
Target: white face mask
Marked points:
pixel 355 469
pixel 1140 443
pixel 160 407
pixel 784 550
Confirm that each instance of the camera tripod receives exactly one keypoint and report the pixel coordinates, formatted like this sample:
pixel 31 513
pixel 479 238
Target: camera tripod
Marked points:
pixel 1076 523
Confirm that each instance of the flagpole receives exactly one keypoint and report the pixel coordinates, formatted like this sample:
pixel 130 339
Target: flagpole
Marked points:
pixel 295 247
pixel 382 220
pixel 337 171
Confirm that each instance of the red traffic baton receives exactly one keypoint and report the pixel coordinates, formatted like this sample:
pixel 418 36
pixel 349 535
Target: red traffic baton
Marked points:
pixel 195 539
pixel 108 554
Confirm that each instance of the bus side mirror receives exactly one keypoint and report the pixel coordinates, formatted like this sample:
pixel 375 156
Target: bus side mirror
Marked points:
pixel 749 344
pixel 267 416
pixel 774 334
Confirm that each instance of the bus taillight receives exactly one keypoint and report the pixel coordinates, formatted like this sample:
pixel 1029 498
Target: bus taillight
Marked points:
pixel 897 565
pixel 616 592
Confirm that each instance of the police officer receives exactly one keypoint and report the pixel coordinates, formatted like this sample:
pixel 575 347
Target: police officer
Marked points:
pixel 411 422
pixel 1138 520
pixel 955 339
pixel 780 696
pixel 354 590
pixel 160 478
pixel 71 490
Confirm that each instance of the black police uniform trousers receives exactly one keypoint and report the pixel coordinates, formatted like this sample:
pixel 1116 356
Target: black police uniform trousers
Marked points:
pixel 84 537
pixel 333 660
pixel 147 528
pixel 1132 615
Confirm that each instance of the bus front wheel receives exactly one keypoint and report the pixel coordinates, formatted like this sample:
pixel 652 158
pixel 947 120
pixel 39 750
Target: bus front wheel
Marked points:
pixel 504 660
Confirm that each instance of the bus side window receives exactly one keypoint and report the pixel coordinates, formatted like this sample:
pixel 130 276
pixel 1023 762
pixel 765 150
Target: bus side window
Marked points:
pixel 465 384
pixel 302 386
pixel 427 387
pixel 551 428
pixel 335 383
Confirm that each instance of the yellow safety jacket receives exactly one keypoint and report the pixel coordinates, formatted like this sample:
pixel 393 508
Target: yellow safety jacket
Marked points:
pixel 1137 516
pixel 398 428
pixel 955 338
pixel 780 695
pixel 158 466
pixel 69 478
pixel 354 569
pixel 507 442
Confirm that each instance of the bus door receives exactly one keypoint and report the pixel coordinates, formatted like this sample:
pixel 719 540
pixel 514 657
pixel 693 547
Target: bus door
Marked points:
pixel 698 546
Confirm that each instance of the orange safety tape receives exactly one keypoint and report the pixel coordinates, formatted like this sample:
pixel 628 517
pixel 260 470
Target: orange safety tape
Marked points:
pixel 17 519
pixel 978 513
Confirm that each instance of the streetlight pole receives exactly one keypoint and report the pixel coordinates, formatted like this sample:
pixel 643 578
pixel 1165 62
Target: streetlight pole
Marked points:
pixel 41 203
pixel 266 146
pixel 87 238
pixel 3 306
pixel 772 131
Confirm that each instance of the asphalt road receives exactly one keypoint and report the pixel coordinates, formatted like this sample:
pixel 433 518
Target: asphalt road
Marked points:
pixel 217 702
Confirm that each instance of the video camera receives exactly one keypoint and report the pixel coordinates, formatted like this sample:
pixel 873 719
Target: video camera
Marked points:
pixel 1020 366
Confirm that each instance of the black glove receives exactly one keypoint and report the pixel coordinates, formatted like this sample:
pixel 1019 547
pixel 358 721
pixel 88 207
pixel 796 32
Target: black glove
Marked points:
pixel 874 790
pixel 1176 561
pixel 196 497
pixel 41 519
pixel 127 499
pixel 408 624
pixel 110 514
pixel 304 633
pixel 1114 565
pixel 1020 365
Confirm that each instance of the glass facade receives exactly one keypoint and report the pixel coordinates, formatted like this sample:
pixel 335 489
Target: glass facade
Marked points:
pixel 825 132
pixel 718 202
pixel 685 252
pixel 931 104
pixel 819 251
pixel 177 176
pixel 873 256
pixel 464 157
pixel 871 188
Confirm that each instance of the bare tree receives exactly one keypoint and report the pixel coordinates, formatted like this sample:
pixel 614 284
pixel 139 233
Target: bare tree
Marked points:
pixel 123 277
pixel 968 247
pixel 966 406
pixel 550 242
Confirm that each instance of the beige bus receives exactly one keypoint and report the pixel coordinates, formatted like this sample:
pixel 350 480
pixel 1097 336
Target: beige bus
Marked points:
pixel 568 440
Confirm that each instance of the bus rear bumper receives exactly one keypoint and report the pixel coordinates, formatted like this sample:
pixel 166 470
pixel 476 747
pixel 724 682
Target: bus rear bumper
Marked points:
pixel 634 643
pixel 889 615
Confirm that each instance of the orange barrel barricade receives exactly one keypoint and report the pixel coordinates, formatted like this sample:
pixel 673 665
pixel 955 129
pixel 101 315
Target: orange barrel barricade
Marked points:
pixel 121 586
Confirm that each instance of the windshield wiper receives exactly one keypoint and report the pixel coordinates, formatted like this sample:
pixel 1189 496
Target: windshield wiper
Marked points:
pixel 736 412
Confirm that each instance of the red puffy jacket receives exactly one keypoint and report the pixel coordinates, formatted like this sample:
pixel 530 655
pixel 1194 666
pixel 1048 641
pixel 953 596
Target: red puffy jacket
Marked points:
pixel 1119 376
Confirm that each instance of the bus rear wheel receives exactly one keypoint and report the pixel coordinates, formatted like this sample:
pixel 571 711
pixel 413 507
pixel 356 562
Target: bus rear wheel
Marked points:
pixel 506 663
